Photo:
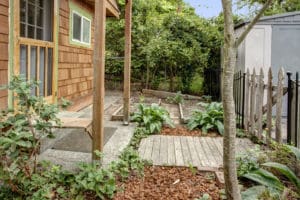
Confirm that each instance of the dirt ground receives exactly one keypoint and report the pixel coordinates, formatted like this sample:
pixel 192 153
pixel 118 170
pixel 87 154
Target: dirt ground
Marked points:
pixel 174 183
pixel 181 130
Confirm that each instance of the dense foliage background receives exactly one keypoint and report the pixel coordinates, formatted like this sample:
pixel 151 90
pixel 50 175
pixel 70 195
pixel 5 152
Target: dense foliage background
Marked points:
pixel 171 46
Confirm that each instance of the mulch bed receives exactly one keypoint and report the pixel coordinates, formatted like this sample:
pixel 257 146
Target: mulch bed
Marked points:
pixel 180 130
pixel 169 183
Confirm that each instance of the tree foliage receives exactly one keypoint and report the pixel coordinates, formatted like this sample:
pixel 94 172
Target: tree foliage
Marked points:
pixel 170 43
pixel 278 6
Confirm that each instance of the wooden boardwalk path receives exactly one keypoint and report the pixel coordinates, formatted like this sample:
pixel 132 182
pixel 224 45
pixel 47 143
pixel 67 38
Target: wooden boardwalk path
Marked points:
pixel 187 150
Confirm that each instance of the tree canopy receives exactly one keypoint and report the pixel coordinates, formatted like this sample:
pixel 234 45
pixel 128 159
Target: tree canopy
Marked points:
pixel 170 44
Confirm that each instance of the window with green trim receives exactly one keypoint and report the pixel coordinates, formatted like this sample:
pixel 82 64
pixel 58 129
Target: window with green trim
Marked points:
pixel 80 30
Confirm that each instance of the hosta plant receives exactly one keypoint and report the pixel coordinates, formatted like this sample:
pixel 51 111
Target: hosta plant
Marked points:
pixel 211 119
pixel 152 117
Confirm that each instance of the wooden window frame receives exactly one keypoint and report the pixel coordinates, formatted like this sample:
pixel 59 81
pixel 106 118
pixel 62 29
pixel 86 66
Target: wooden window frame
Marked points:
pixel 83 14
pixel 15 41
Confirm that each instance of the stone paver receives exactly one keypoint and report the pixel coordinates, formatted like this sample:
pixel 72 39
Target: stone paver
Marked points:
pixel 186 150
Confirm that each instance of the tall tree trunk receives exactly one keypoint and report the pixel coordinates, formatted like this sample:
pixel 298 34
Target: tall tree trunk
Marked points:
pixel 229 62
pixel 230 172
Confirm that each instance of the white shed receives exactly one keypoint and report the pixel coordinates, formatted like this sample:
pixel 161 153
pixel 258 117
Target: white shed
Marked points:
pixel 273 42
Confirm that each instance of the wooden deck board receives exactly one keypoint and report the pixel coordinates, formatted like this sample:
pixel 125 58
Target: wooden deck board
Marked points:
pixel 186 150
pixel 171 151
pixel 178 152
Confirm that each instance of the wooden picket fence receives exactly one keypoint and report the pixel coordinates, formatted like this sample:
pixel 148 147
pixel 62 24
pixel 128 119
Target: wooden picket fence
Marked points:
pixel 256 97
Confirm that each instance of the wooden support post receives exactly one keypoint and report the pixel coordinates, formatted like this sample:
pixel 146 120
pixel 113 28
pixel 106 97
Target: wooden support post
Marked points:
pixel 99 72
pixel 127 65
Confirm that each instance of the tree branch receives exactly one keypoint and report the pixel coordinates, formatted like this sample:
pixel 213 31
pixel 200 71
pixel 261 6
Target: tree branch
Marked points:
pixel 252 23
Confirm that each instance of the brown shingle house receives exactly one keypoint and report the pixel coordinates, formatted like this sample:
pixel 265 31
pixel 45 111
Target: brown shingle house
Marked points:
pixel 50 41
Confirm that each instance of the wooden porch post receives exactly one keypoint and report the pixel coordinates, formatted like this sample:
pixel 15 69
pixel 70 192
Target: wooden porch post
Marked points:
pixel 127 65
pixel 99 70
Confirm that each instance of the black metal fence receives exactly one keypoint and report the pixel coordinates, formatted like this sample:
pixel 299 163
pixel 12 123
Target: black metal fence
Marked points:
pixel 212 83
pixel 239 97
pixel 292 105
pixel 293 125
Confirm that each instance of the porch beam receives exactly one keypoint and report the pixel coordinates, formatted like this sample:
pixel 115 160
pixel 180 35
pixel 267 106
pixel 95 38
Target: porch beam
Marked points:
pixel 127 65
pixel 99 70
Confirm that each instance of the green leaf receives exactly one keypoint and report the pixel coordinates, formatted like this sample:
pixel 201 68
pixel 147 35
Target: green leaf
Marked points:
pixel 265 178
pixel 285 171
pixel 253 192
pixel 220 127
pixel 295 151
pixel 26 144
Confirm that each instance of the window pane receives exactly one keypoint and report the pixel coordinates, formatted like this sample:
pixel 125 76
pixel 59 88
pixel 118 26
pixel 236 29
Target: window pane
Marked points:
pixel 86 30
pixel 49 72
pixel 76 27
pixel 42 71
pixel 33 67
pixel 39 34
pixel 23 60
pixel 30 13
pixel 30 31
pixel 23 11
pixel 23 30
pixel 39 15
pixel 40 3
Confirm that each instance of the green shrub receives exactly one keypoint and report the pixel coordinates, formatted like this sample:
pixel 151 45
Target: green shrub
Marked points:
pixel 177 99
pixel 21 132
pixel 209 120
pixel 152 117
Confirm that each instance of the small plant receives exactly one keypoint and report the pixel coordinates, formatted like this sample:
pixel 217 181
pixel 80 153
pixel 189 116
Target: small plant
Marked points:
pixel 264 175
pixel 210 119
pixel 138 135
pixel 249 161
pixel 21 132
pixel 177 99
pixel 152 118
pixel 205 197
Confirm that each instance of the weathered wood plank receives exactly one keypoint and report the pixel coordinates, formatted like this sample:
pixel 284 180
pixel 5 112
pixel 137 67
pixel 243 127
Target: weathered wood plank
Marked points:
pixel 247 91
pixel 185 151
pixel 171 151
pixel 178 152
pixel 163 153
pixel 259 104
pixel 219 143
pixel 252 102
pixel 214 152
pixel 142 147
pixel 156 150
pixel 193 151
pixel 279 105
pixel 201 154
pixel 269 105
pixel 207 151
pixel 149 148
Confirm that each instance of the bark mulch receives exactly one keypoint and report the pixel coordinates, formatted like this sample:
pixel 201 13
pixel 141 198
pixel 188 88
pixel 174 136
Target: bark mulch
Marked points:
pixel 174 183
pixel 180 130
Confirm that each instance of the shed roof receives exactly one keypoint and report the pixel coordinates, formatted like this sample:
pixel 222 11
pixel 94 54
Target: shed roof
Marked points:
pixel 283 19
pixel 112 9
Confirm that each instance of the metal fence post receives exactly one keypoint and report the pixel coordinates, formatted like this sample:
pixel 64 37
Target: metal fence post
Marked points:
pixel 289 108
pixel 297 109
pixel 243 101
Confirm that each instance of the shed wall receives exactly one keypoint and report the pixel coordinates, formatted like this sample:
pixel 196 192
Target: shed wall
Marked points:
pixel 4 32
pixel 75 70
